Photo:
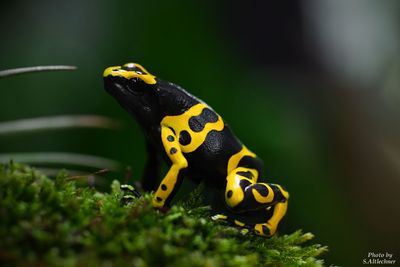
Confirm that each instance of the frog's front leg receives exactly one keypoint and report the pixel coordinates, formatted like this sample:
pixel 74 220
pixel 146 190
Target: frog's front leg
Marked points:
pixel 243 193
pixel 172 180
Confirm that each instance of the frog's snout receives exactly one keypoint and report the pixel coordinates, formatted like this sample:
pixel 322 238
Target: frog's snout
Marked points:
pixel 108 71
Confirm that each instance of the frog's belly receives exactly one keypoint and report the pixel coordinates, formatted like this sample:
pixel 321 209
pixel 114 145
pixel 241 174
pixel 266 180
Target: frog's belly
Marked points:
pixel 210 160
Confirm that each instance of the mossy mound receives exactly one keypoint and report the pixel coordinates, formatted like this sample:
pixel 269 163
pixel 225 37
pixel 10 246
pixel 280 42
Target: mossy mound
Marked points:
pixel 45 222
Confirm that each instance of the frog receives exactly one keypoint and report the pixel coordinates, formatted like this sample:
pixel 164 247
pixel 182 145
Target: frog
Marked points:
pixel 196 144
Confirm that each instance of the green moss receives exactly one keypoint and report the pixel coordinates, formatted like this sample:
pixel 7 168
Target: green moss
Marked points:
pixel 48 222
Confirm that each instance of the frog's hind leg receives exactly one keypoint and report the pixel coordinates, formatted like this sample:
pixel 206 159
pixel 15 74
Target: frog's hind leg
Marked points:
pixel 243 194
pixel 266 229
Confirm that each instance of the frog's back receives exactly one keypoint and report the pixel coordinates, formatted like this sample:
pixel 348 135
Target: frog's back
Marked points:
pixel 209 161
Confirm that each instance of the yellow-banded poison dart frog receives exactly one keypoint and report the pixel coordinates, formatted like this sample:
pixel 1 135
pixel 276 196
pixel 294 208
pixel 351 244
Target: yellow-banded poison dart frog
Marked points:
pixel 196 143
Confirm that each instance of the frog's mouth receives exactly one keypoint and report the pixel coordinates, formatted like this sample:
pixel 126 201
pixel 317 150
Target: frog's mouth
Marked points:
pixel 120 87
pixel 122 90
pixel 130 93
pixel 115 85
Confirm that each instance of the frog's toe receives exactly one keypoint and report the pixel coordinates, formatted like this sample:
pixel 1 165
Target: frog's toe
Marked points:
pixel 264 229
pixel 219 217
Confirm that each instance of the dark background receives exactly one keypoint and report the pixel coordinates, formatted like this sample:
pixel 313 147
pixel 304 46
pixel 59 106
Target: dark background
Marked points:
pixel 312 87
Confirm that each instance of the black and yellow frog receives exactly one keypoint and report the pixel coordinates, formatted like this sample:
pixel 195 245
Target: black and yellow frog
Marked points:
pixel 198 144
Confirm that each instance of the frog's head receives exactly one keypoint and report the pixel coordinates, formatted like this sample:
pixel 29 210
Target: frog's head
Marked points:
pixel 134 88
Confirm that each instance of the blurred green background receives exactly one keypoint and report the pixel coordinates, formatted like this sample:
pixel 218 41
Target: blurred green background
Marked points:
pixel 311 86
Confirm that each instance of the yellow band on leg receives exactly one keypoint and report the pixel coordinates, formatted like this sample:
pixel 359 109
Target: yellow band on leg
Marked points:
pixel 179 162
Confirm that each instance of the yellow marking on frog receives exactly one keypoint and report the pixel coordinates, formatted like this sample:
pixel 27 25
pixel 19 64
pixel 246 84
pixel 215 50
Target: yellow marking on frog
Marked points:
pixel 179 162
pixel 260 198
pixel 279 211
pixel 129 74
pixel 217 217
pixel 235 159
pixel 234 193
pixel 259 230
pixel 181 123
pixel 239 223
pixel 237 192
pixel 283 191
pixel 272 224
pixel 254 172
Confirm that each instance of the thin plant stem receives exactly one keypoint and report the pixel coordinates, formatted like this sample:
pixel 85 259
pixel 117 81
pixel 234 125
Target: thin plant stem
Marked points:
pixel 57 122
pixel 62 158
pixel 11 72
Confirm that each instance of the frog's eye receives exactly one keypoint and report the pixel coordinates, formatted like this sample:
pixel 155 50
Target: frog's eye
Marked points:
pixel 133 67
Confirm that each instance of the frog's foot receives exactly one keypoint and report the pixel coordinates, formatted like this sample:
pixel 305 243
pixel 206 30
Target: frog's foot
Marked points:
pixel 245 228
pixel 130 193
pixel 264 229
pixel 268 228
